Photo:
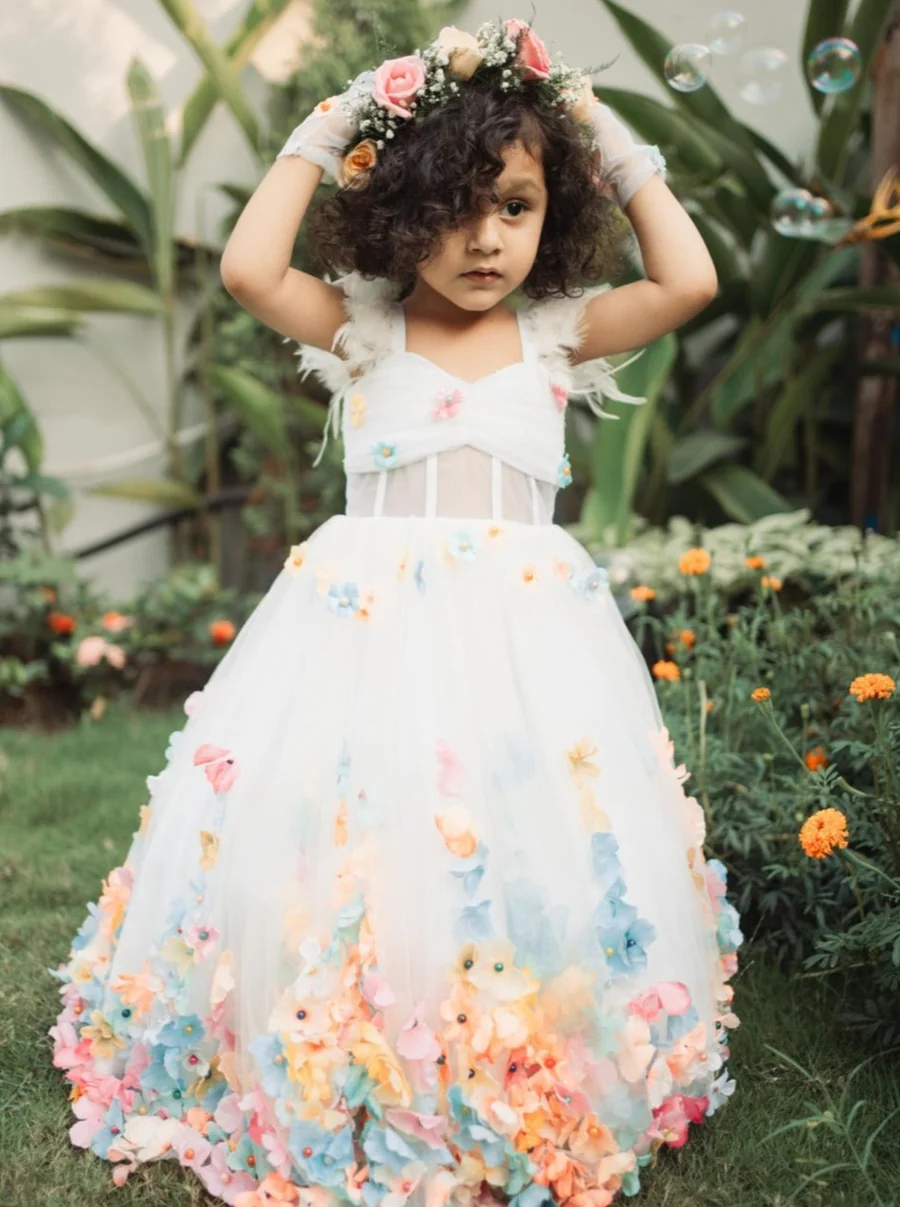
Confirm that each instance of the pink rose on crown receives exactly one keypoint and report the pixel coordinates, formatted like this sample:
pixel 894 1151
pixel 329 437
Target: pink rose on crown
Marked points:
pixel 533 58
pixel 397 82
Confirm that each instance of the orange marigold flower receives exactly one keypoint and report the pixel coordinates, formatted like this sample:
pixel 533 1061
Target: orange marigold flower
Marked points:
pixel 666 670
pixel 48 594
pixel 872 687
pixel 221 632
pixel 687 638
pixel 695 561
pixel 710 705
pixel 670 647
pixel 61 623
pixel 816 758
pixel 823 833
pixel 754 562
pixel 759 694
pixel 642 594
pixel 769 580
pixel 115 622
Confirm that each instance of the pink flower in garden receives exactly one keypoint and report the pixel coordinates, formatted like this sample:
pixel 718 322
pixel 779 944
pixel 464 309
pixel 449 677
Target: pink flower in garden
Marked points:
pixel 533 57
pixel 220 767
pixel 561 394
pixel 115 622
pixel 397 82
pixel 416 1040
pixel 448 403
pixel 91 650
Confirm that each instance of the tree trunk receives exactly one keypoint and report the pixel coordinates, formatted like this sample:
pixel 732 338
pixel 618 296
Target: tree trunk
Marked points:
pixel 874 420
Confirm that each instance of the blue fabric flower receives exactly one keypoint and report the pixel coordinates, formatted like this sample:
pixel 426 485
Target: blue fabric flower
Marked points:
pixel 605 856
pixel 472 1132
pixel 385 454
pixel 113 1126
pixel 419 575
pixel 321 1155
pixel 343 598
pixel 594 584
pixel 564 472
pixel 239 1158
pixel 625 945
pixel 181 1033
pixel 474 922
pixel 462 545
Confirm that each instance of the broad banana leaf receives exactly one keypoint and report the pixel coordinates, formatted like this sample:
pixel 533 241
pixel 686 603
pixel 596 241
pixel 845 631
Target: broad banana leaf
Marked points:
pixel 149 119
pixel 164 491
pixel 118 187
pixel 885 298
pixel 186 18
pixel 742 494
pixel 619 445
pixel 261 409
pixel 117 297
pixel 699 451
pixel 25 322
pixel 666 127
pixel 239 47
pixel 798 395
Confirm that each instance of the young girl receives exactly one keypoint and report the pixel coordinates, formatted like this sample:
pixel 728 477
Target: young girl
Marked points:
pixel 418 910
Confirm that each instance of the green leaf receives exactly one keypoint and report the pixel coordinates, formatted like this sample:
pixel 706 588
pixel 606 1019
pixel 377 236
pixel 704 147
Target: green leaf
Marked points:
pixel 42 484
pixel 15 410
pixel 745 165
pixel 699 451
pixel 791 404
pixel 186 18
pixel 618 452
pixel 729 268
pixel 149 120
pixel 885 298
pixel 741 493
pixel 760 359
pixel 782 264
pixel 867 30
pixel 665 127
pixel 25 322
pixel 260 408
pixel 240 46
pixel 118 187
pixel 164 491
pixel 775 157
pixel 116 297
pixel 825 19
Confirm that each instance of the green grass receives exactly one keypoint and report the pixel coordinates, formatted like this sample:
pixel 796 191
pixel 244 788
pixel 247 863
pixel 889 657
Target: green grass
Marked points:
pixel 68 808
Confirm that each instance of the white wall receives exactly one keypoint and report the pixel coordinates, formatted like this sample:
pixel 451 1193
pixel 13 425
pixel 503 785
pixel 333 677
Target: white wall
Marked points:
pixel 75 56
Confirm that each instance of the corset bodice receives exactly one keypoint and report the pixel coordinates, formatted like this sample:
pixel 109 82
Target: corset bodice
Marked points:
pixel 420 440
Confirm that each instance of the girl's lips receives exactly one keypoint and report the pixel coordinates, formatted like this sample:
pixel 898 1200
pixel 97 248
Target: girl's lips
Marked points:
pixel 483 276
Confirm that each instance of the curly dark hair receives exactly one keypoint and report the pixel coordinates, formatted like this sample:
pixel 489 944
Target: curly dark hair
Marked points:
pixel 440 169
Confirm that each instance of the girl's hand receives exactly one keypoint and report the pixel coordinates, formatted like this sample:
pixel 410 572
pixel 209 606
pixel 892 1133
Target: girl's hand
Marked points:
pixel 324 135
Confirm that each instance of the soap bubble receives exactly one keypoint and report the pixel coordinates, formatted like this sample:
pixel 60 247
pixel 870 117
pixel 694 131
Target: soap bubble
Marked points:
pixel 727 31
pixel 834 65
pixel 762 74
pixel 798 214
pixel 687 66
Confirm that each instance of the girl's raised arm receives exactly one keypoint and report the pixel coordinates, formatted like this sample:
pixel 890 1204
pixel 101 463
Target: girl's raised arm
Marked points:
pixel 680 275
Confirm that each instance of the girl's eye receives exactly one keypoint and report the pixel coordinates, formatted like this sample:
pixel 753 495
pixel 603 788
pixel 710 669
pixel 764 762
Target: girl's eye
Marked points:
pixel 520 203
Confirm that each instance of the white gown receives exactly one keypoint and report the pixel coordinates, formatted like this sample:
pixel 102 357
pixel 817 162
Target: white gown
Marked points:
pixel 417 911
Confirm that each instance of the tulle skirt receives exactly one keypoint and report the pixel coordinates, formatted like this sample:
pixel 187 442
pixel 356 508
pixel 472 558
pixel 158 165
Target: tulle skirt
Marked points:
pixel 417 911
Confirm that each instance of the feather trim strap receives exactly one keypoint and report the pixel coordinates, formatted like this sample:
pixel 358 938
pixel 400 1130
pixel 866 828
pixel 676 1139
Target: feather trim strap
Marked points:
pixel 556 328
pixel 363 339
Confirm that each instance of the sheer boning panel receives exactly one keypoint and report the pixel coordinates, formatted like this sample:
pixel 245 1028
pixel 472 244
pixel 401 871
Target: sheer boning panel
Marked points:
pixel 463 482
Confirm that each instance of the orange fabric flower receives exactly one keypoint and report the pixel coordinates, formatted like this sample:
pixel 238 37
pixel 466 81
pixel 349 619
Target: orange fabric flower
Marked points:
pixel 872 687
pixel 759 694
pixel 769 580
pixel 695 561
pixel 823 833
pixel 221 631
pixel 666 670
pixel 754 562
pixel 816 758
pixel 642 594
pixel 61 623
pixel 357 162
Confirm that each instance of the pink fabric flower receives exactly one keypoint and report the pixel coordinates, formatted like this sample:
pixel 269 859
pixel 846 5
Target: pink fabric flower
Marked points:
pixel 220 767
pixel 449 771
pixel 219 1180
pixel 671 1120
pixel 430 1128
pixel 448 403
pixel 377 991
pixel 561 394
pixel 192 1148
pixel 533 58
pixel 669 996
pixel 90 1115
pixel 416 1040
pixel 397 82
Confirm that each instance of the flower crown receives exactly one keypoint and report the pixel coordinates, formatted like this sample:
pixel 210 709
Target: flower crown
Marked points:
pixel 506 55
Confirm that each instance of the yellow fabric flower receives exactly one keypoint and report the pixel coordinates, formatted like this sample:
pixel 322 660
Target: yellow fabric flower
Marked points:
pixel 580 756
pixel 296 557
pixel 104 1042
pixel 872 687
pixel 823 833
pixel 666 670
pixel 695 561
pixel 357 409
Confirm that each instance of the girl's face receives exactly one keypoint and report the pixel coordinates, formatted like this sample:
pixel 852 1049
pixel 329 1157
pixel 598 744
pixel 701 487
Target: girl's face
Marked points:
pixel 504 238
